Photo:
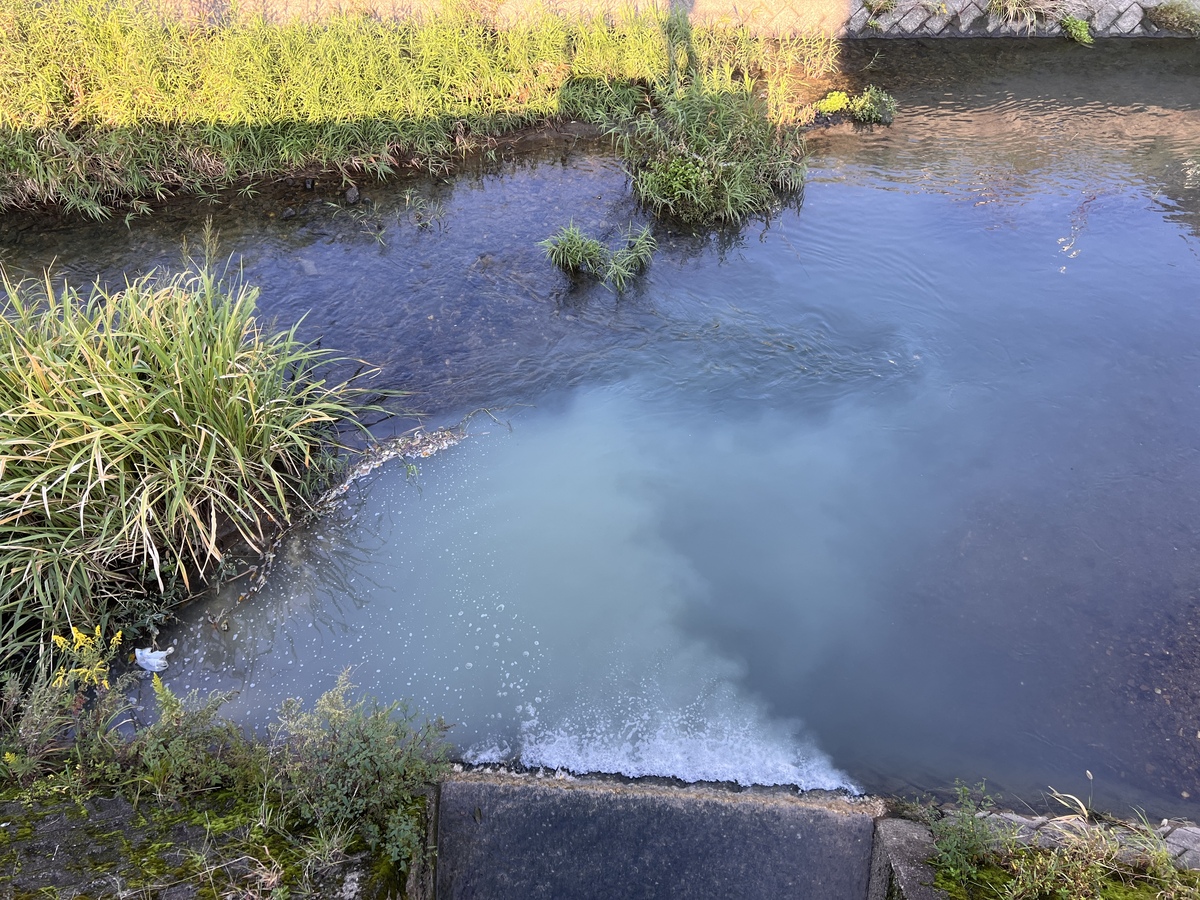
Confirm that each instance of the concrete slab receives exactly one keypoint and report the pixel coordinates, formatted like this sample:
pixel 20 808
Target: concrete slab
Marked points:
pixel 900 867
pixel 530 839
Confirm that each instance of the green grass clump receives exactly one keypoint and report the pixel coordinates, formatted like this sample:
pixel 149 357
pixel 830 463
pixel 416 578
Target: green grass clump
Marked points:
pixel 702 156
pixel 874 106
pixel 140 429
pixel 879 7
pixel 105 103
pixel 1077 30
pixel 578 254
pixel 1180 16
pixel 1082 859
pixel 575 252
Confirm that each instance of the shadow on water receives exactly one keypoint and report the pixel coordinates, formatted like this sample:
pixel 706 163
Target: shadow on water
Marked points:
pixel 899 487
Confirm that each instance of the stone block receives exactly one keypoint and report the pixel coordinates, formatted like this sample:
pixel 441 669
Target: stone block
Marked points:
pixel 567 841
pixel 913 19
pixel 1104 17
pixel 1128 22
pixel 1184 840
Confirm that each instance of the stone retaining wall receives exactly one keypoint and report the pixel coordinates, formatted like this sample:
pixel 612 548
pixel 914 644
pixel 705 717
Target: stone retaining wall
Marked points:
pixel 972 18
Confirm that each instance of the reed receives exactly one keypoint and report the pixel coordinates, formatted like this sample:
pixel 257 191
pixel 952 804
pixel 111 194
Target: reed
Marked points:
pixel 141 429
pixel 109 103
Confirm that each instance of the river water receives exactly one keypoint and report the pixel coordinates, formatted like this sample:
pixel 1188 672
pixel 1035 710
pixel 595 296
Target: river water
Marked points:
pixel 897 487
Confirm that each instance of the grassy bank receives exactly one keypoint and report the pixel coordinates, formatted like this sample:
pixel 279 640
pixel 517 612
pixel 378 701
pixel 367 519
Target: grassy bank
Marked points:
pixel 107 103
pixel 141 431
pixel 1078 855
pixel 202 803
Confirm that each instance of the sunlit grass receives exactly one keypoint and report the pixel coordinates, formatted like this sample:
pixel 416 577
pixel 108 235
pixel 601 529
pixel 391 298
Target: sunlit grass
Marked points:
pixel 107 101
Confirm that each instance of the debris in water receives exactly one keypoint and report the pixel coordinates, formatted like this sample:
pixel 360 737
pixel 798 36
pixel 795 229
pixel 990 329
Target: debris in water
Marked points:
pixel 152 660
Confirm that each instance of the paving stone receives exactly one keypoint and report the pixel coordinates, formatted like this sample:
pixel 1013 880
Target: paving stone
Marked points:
pixel 1185 839
pixel 1105 16
pixel 1129 20
pixel 858 21
pixel 934 25
pixel 537 841
pixel 914 19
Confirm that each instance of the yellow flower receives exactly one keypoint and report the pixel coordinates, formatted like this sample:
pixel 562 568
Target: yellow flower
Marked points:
pixel 115 642
pixel 59 641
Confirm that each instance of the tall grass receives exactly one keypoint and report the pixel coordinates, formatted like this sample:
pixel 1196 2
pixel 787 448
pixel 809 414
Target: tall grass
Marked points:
pixel 140 429
pixel 102 101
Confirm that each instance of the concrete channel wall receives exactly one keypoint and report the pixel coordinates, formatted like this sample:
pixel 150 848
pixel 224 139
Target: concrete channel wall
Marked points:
pixel 528 837
pixel 509 836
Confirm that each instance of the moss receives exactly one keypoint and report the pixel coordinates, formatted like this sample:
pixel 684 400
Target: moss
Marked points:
pixel 991 882
pixel 988 882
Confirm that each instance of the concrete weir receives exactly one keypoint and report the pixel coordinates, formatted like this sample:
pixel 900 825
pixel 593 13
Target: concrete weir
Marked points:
pixel 525 837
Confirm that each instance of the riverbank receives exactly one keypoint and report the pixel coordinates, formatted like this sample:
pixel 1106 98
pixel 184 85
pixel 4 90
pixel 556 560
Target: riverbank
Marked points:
pixel 107 106
pixel 538 833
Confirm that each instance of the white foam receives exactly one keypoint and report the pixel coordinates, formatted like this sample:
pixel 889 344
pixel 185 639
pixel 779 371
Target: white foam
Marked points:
pixel 721 736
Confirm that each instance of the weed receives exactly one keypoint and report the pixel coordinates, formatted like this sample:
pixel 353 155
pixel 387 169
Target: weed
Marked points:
pixel 574 252
pixel 630 259
pixel 141 428
pixel 1077 30
pixel 344 777
pixel 833 102
pixel 1076 858
pixel 188 749
pixel 874 106
pixel 360 766
pixel 879 7
pixel 966 839
pixel 1023 13
pixel 704 156
pixel 577 253
pixel 1181 16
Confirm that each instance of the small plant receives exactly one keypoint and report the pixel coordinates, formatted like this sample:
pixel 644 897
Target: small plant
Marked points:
pixel 88 657
pixel 874 106
pixel 879 7
pixel 69 707
pixel 1075 857
pixel 833 102
pixel 188 749
pixel 1077 30
pixel 1180 16
pixel 630 259
pixel 965 839
pixel 359 767
pixel 577 253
